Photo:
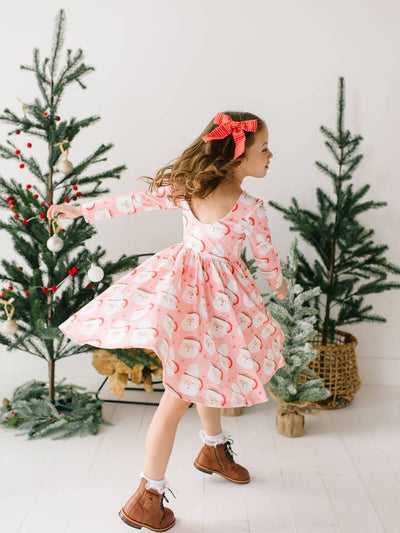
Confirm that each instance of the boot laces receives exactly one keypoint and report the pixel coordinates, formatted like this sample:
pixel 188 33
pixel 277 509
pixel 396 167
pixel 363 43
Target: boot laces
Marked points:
pixel 164 496
pixel 228 449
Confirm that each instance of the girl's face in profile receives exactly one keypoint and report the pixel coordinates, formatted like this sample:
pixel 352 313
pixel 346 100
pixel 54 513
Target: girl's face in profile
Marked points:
pixel 257 157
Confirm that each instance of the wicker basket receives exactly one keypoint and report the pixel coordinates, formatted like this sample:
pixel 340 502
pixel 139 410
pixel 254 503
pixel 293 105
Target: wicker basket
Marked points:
pixel 336 365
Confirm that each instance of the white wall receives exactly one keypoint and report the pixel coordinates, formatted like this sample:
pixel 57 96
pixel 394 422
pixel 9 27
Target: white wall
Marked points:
pixel 164 68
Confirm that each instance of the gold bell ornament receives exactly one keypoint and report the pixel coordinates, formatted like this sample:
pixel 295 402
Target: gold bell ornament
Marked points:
pixel 55 243
pixel 65 166
pixel 9 327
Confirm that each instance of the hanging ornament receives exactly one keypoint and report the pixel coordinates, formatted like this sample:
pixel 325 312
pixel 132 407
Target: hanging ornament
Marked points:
pixel 9 327
pixel 64 166
pixel 54 243
pixel 95 273
pixel 24 106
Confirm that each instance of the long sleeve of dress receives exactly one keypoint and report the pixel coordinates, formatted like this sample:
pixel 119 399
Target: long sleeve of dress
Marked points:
pixel 259 237
pixel 127 204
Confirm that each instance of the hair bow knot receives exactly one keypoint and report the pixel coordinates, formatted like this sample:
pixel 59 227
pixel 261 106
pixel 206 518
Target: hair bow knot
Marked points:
pixel 228 126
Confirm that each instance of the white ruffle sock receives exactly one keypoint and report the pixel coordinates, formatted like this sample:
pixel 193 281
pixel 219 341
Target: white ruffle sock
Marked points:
pixel 213 440
pixel 161 486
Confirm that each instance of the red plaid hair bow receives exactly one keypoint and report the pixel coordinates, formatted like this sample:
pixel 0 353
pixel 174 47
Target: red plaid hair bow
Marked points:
pixel 228 126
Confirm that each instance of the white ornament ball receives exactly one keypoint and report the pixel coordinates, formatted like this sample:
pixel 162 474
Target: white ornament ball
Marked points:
pixel 95 273
pixel 65 166
pixel 55 244
pixel 9 327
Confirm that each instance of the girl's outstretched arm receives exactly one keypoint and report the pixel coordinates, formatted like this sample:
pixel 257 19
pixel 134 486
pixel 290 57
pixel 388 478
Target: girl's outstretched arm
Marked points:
pixel 127 204
pixel 259 237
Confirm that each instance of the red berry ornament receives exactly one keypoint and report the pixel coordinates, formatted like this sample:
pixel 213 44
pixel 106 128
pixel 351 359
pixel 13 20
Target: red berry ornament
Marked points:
pixel 17 132
pixel 90 286
pixel 29 186
pixel 3 294
pixel 25 221
pixel 26 293
pixel 36 196
pixel 54 288
pixel 43 203
pixel 67 200
pixel 78 194
pixel 21 165
pixel 10 287
pixel 74 269
pixel 44 289
pixel 29 145
pixel 58 118
pixel 42 215
pixel 75 187
pixel 17 152
pixel 8 198
pixel 16 215
pixel 45 114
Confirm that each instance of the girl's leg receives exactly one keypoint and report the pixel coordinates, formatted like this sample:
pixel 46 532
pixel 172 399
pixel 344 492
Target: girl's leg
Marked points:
pixel 161 435
pixel 210 418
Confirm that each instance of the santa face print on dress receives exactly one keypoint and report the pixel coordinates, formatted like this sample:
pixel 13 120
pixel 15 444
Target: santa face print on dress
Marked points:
pixel 190 382
pixel 189 348
pixel 111 307
pixel 237 398
pixel 221 302
pixel 219 327
pixel 244 359
pixel 191 322
pixel 223 354
pixel 141 296
pixel 143 332
pixel 190 294
pixel 91 307
pixel 215 374
pixel 117 332
pixel 215 398
pixel 209 344
pixel 90 327
pixel 169 325
pixel 167 298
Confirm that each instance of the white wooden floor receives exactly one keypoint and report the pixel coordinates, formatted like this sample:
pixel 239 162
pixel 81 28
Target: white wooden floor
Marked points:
pixel 343 475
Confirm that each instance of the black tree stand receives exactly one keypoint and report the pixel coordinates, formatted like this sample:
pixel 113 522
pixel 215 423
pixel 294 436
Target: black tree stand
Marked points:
pixel 138 389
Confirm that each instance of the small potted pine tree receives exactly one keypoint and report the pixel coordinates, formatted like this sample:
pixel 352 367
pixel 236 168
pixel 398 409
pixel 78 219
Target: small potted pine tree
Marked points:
pixel 297 319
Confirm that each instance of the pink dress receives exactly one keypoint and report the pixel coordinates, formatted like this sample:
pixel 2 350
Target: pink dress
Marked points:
pixel 194 303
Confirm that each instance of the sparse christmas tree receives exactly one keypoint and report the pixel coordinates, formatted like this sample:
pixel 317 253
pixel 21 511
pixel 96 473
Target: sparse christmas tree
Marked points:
pixel 349 265
pixel 59 275
pixel 297 319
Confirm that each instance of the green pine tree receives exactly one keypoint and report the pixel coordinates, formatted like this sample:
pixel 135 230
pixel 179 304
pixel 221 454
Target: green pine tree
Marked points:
pixel 349 265
pixel 47 289
pixel 297 318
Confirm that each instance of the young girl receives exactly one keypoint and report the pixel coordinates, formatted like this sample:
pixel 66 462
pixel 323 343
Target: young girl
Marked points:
pixel 194 303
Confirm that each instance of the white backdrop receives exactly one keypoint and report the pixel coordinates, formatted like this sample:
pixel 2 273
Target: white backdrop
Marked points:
pixel 164 68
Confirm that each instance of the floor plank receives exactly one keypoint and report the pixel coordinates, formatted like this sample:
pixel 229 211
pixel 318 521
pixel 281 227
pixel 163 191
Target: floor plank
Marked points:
pixel 342 475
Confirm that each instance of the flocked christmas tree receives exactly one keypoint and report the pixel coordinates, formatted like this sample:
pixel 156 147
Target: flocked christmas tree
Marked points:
pixel 57 275
pixel 349 265
pixel 297 319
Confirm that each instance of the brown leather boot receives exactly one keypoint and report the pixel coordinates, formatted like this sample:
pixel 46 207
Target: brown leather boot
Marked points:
pixel 145 508
pixel 219 460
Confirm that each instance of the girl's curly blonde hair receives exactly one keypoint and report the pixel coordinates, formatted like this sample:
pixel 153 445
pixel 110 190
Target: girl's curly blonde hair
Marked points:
pixel 203 165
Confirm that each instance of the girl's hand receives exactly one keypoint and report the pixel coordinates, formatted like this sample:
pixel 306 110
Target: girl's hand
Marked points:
pixel 67 211
pixel 281 293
